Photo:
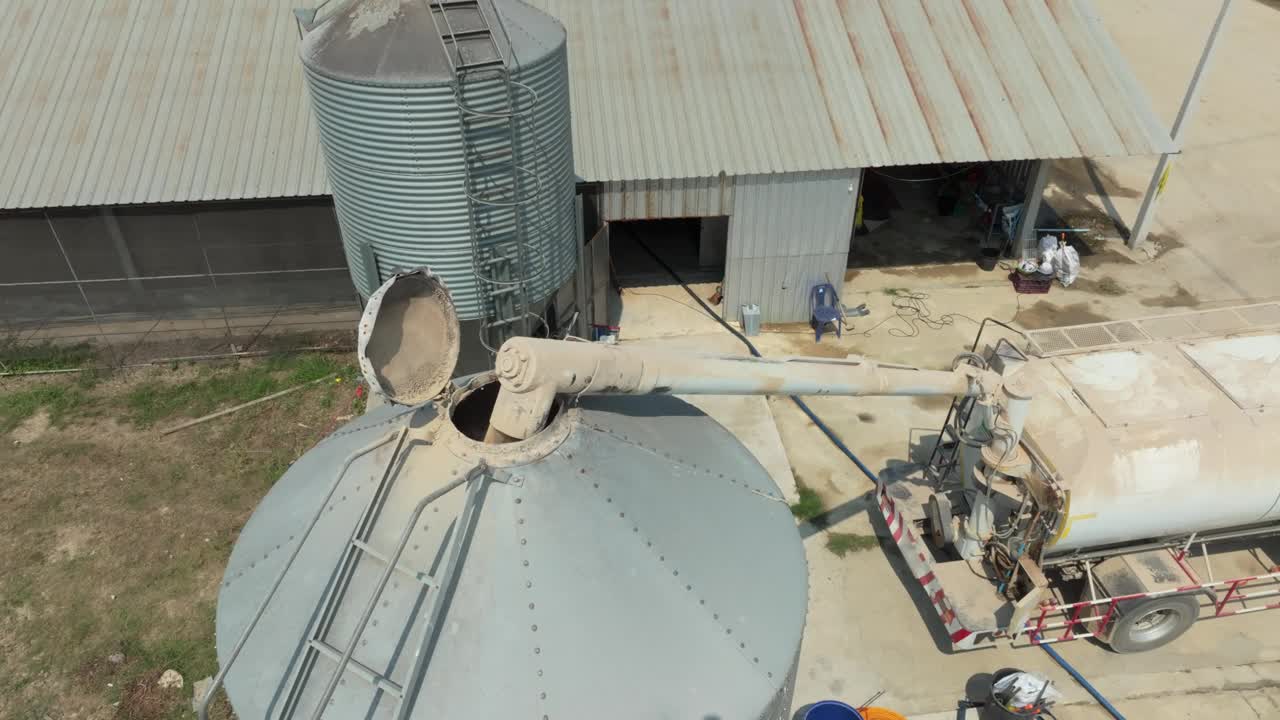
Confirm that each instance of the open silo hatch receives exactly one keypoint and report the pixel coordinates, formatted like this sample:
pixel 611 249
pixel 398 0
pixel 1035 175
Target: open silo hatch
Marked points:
pixel 408 345
pixel 408 339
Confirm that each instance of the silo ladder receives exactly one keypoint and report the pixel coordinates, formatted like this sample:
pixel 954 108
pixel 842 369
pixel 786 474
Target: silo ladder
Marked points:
pixel 437 586
pixel 493 180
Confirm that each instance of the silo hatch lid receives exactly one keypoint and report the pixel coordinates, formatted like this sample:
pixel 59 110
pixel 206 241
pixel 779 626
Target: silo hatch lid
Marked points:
pixel 408 339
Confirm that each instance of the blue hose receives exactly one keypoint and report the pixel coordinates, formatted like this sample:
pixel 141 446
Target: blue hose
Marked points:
pixel 835 439
pixel 1106 705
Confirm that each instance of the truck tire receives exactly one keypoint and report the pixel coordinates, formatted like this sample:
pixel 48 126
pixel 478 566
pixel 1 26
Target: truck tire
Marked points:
pixel 1148 624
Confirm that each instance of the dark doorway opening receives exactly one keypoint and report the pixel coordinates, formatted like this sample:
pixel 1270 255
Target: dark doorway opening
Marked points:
pixel 932 214
pixel 693 247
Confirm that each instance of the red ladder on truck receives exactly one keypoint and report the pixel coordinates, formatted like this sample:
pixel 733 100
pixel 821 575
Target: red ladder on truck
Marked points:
pixel 1064 622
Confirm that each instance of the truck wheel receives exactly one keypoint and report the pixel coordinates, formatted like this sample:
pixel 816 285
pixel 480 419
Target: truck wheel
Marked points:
pixel 1147 624
pixel 938 511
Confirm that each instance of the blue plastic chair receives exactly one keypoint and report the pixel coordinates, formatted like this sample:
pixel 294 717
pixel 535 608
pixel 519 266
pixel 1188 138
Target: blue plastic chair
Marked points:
pixel 824 305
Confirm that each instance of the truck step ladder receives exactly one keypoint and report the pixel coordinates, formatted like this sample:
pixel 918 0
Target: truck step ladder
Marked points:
pixel 946 451
pixel 497 186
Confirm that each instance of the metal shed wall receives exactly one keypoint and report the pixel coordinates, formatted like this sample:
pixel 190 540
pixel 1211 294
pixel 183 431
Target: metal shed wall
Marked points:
pixel 656 199
pixel 786 233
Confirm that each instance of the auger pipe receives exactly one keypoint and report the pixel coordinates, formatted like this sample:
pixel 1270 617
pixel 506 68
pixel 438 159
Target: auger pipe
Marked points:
pixel 533 371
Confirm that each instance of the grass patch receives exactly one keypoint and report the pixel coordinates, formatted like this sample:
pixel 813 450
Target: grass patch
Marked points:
pixel 229 385
pixel 809 505
pixel 46 356
pixel 59 400
pixel 844 543
pixel 116 541
pixel 896 292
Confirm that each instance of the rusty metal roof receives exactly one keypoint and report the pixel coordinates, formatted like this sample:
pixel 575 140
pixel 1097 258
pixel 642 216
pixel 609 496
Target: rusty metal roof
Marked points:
pixel 669 89
pixel 106 102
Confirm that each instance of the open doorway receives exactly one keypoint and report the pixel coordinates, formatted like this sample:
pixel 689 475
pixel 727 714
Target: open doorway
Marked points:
pixel 693 247
pixel 929 214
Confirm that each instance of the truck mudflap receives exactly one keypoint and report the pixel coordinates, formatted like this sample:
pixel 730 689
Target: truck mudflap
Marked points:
pixel 920 561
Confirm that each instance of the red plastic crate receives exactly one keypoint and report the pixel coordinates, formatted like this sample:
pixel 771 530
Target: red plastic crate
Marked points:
pixel 1031 283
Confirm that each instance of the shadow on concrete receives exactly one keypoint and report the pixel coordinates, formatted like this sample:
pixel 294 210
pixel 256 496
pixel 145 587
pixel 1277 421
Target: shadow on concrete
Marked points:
pixel 1100 186
pixel 838 514
pixel 923 604
pixel 978 687
pixel 1085 189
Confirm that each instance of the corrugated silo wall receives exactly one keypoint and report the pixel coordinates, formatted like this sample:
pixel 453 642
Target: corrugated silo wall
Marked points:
pixel 397 164
pixel 787 232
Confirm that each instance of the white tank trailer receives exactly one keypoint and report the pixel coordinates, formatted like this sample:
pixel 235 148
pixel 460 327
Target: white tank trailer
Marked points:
pixel 1134 454
pixel 1160 440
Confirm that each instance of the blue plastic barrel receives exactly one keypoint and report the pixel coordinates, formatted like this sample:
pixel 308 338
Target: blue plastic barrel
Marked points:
pixel 831 710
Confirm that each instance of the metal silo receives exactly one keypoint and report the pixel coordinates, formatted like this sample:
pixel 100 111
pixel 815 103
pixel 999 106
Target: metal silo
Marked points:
pixel 446 132
pixel 631 559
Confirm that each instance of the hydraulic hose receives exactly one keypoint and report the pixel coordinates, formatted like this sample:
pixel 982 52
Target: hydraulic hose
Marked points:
pixel 831 435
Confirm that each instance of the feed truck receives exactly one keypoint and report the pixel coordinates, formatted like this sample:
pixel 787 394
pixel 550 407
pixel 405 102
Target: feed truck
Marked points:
pixel 1105 480
pixel 1137 500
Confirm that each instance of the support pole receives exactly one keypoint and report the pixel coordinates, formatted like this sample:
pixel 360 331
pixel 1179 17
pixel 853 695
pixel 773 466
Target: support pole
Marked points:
pixel 1147 213
pixel 122 250
pixel 1033 199
pixel 580 289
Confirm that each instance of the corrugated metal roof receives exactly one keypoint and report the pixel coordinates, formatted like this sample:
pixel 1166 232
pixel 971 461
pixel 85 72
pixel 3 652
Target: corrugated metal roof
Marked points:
pixel 667 89
pixel 108 102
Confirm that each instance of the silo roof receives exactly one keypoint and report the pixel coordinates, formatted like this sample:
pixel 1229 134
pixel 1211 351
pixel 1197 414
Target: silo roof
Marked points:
pixel 107 103
pixel 396 42
pixel 632 560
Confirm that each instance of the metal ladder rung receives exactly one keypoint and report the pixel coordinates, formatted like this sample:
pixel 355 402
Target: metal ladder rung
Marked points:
pixel 359 669
pixel 467 35
pixel 452 4
pixel 490 122
pixel 504 322
pixel 496 260
pixel 464 67
pixel 421 577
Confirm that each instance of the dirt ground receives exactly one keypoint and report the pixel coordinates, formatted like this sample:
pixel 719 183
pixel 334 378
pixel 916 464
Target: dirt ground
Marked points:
pixel 113 537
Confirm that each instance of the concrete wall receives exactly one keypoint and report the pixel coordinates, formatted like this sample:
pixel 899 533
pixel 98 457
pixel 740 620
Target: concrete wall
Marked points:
pixel 786 234
pixel 151 260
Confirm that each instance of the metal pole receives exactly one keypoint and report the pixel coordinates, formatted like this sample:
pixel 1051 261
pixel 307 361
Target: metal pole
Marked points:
pixel 122 250
pixel 79 286
pixel 213 279
pixel 1146 214
pixel 1025 233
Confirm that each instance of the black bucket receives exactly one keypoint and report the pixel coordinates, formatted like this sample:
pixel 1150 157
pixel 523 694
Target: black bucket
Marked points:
pixel 988 258
pixel 994 710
